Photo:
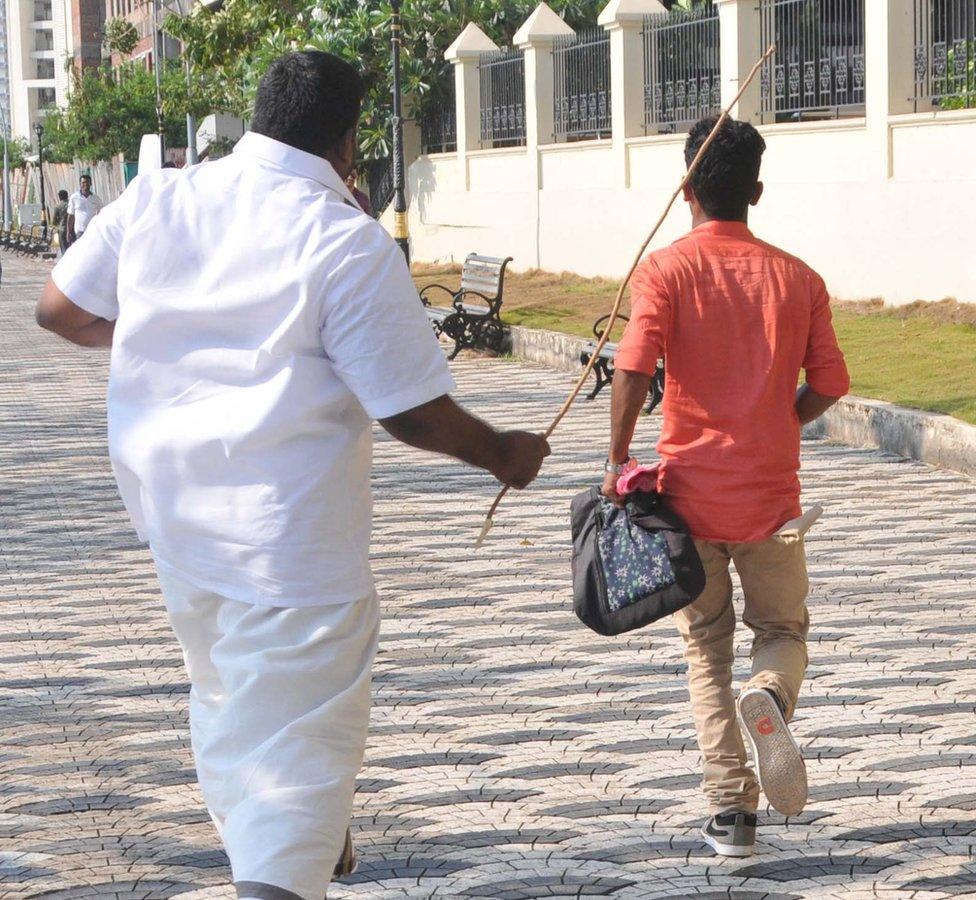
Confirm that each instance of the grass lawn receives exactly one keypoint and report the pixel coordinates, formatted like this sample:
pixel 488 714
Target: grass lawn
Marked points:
pixel 923 355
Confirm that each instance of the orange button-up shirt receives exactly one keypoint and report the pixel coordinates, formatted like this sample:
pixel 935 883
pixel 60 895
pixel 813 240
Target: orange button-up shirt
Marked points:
pixel 736 319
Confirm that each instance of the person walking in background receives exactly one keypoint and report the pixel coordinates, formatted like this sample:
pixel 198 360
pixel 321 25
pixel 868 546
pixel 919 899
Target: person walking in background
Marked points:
pixel 737 320
pixel 352 179
pixel 247 366
pixel 82 208
pixel 60 219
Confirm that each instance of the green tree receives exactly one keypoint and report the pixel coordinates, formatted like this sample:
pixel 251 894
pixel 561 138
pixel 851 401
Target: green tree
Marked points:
pixel 121 36
pixel 18 149
pixel 108 112
pixel 231 48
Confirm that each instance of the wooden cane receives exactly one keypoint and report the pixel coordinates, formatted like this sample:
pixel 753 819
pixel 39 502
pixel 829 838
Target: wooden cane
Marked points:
pixel 615 309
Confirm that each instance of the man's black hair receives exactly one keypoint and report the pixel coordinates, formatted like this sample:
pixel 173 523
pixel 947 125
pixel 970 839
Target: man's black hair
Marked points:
pixel 309 100
pixel 62 194
pixel 726 178
pixel 87 178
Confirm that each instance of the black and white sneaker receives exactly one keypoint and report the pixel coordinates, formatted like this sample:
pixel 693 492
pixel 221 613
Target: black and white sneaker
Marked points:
pixel 347 859
pixel 731 833
pixel 779 764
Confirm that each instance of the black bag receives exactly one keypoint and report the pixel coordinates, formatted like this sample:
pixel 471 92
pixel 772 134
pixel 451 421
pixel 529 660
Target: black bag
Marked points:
pixel 631 566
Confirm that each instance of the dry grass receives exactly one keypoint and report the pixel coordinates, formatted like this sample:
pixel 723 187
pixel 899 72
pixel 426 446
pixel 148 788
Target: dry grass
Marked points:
pixel 921 355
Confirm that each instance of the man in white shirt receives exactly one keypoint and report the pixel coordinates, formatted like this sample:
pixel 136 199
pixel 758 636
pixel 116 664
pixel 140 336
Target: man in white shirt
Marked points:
pixel 82 208
pixel 258 321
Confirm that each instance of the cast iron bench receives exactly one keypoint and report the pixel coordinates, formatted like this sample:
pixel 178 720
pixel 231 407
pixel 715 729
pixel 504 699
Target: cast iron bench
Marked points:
pixel 477 325
pixel 603 367
pixel 37 244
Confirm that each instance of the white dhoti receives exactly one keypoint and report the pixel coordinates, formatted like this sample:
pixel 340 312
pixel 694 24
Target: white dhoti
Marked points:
pixel 279 710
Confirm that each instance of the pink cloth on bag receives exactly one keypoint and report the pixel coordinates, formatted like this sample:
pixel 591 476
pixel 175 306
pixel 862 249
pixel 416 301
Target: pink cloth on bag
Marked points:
pixel 638 478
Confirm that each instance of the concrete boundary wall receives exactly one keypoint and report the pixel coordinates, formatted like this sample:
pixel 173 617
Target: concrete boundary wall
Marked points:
pixel 932 438
pixel 883 205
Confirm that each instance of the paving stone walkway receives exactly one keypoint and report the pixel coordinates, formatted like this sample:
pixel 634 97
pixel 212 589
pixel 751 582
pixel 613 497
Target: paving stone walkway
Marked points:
pixel 513 754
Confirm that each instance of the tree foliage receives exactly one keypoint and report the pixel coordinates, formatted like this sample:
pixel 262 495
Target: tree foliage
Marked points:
pixel 109 112
pixel 230 48
pixel 121 36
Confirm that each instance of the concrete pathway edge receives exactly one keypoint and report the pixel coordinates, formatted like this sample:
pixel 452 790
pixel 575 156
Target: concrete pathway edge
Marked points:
pixel 932 438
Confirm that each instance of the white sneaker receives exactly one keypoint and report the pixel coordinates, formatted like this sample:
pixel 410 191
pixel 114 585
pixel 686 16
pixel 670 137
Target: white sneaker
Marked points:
pixel 779 763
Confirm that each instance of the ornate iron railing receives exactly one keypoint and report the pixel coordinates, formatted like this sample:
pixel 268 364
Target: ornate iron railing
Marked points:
pixel 581 81
pixel 381 187
pixel 502 98
pixel 817 71
pixel 438 125
pixel 681 68
pixel 945 53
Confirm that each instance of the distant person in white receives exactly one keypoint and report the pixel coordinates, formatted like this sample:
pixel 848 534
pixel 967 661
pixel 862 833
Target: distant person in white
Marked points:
pixel 83 206
pixel 259 321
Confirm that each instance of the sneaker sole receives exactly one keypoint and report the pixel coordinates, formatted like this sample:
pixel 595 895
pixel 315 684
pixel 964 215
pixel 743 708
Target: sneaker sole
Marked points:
pixel 779 763
pixel 725 849
pixel 348 861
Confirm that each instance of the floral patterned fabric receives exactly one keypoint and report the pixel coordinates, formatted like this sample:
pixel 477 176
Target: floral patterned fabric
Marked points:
pixel 635 561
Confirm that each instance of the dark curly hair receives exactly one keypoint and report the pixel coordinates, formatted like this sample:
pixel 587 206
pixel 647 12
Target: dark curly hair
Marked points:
pixel 726 178
pixel 309 100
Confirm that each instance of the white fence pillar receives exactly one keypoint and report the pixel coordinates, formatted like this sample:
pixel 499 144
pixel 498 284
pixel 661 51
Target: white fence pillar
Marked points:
pixel 464 54
pixel 889 57
pixel 624 20
pixel 740 39
pixel 536 38
pixel 889 71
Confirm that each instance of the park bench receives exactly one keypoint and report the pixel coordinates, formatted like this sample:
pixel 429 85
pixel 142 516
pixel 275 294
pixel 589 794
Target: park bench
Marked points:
pixel 28 240
pixel 21 240
pixel 603 368
pixel 473 318
pixel 12 237
pixel 39 244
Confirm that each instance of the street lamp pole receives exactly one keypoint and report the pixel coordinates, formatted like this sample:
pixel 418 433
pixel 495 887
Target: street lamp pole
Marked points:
pixel 8 210
pixel 157 62
pixel 401 232
pixel 39 131
pixel 191 126
pixel 183 8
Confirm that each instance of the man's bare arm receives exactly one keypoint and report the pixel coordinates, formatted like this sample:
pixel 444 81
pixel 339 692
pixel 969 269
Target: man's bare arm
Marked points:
pixel 71 226
pixel 55 312
pixel 810 405
pixel 628 398
pixel 441 426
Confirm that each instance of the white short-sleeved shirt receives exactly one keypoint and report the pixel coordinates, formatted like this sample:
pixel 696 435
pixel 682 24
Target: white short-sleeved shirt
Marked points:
pixel 84 209
pixel 262 321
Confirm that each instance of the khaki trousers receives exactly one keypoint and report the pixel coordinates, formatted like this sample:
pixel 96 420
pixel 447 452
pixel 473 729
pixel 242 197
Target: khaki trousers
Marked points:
pixel 773 574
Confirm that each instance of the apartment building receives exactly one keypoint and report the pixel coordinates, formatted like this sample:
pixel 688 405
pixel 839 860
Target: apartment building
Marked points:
pixel 41 40
pixel 140 13
pixel 38 42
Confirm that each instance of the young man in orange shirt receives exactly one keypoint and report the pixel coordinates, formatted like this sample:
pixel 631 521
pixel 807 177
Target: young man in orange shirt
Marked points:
pixel 737 320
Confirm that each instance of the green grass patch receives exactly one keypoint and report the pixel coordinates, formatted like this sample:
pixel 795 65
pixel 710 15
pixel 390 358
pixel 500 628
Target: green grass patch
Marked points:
pixel 922 355
pixel 913 362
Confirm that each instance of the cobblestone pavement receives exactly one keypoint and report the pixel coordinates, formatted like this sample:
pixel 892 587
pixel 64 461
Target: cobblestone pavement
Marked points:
pixel 513 754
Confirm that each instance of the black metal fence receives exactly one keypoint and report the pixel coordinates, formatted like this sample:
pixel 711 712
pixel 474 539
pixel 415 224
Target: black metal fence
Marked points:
pixel 945 53
pixel 581 86
pixel 379 177
pixel 681 68
pixel 502 98
pixel 817 71
pixel 438 124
